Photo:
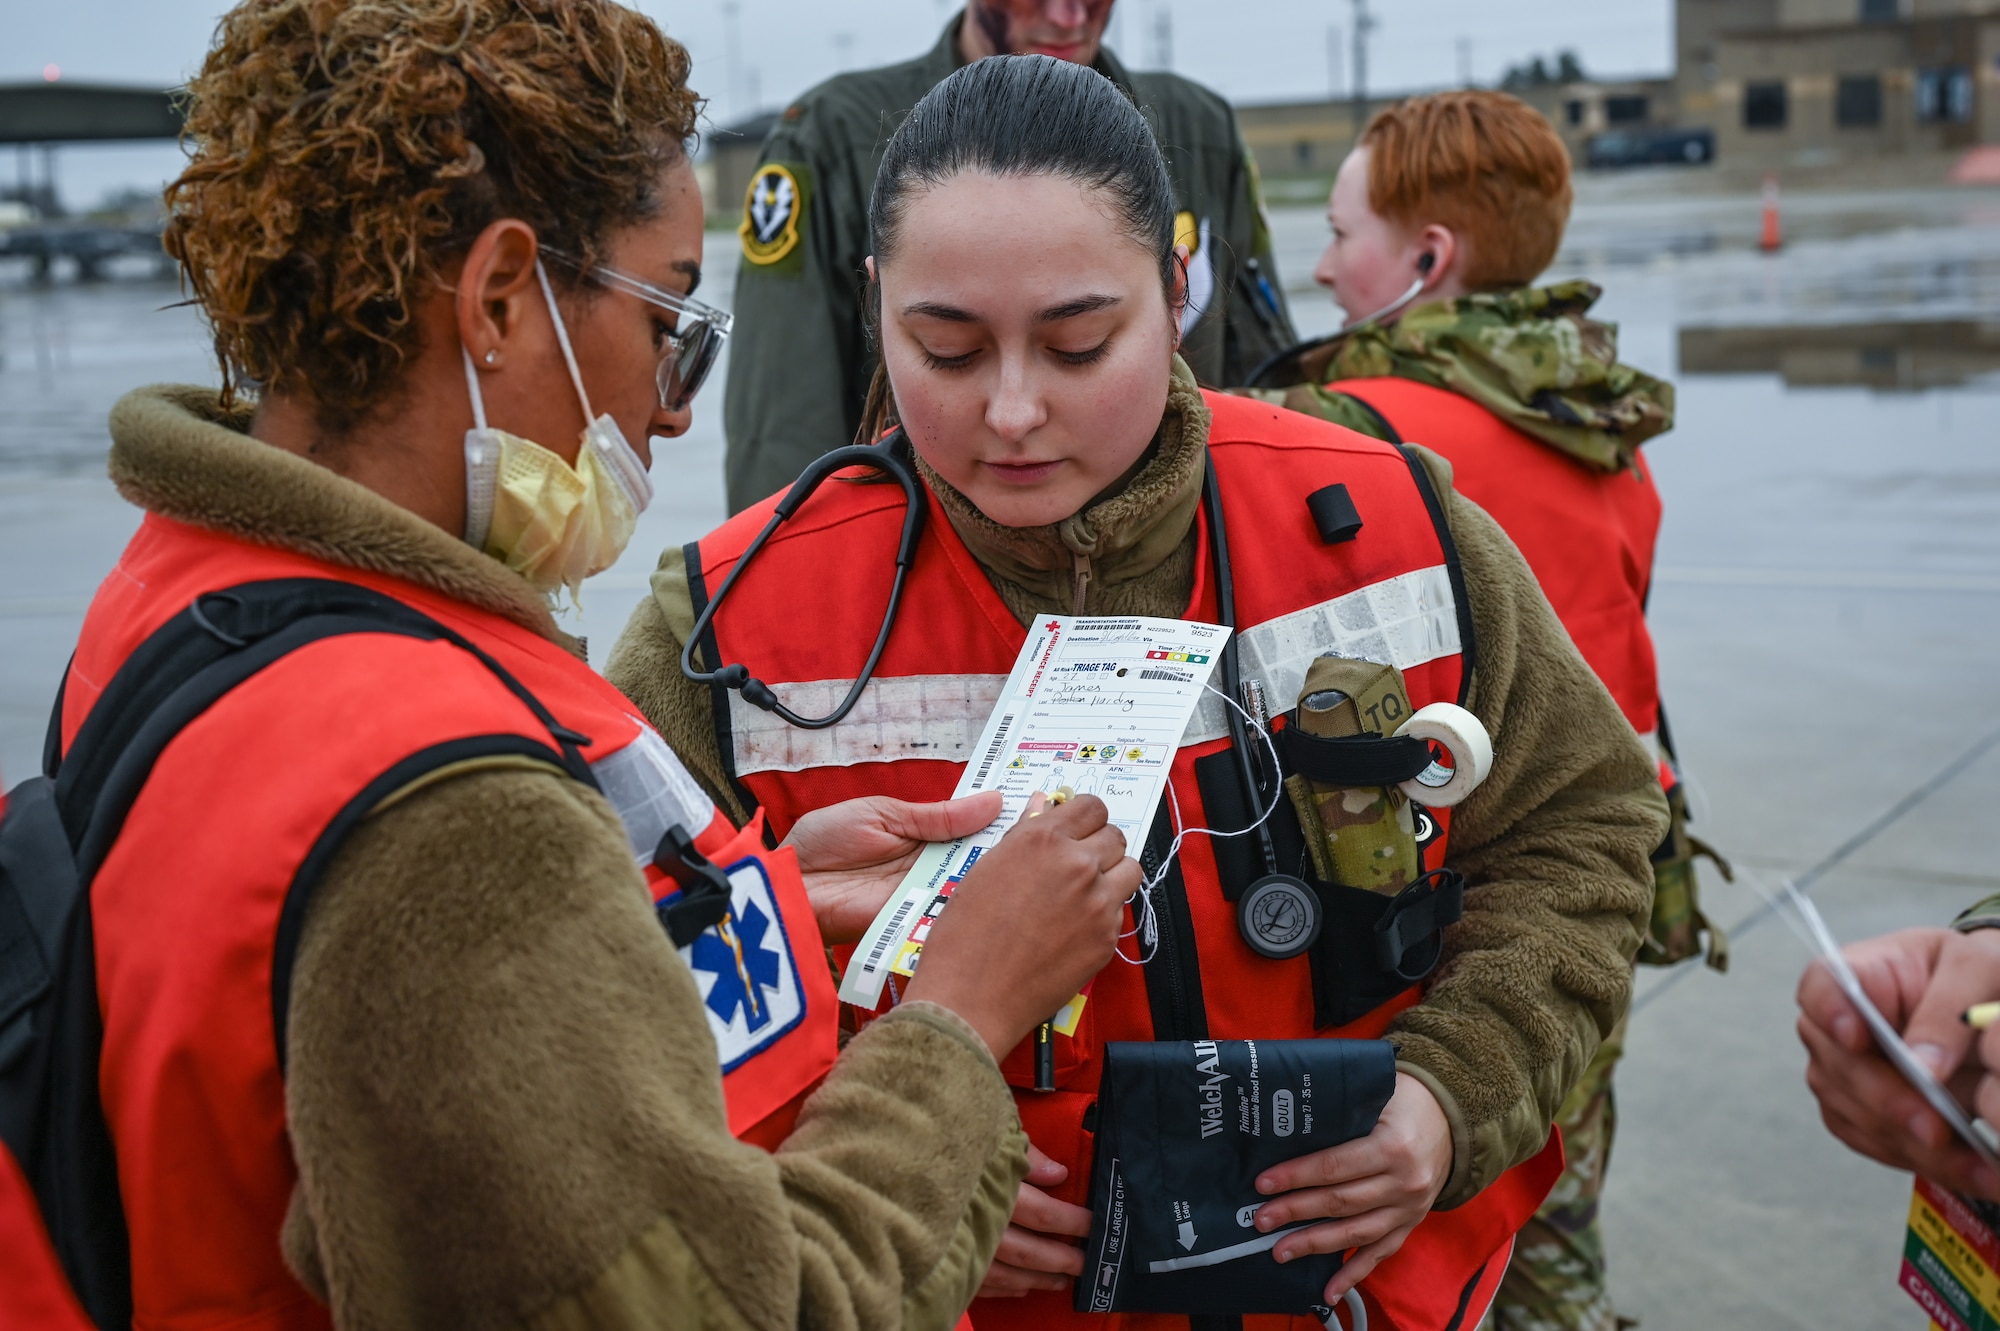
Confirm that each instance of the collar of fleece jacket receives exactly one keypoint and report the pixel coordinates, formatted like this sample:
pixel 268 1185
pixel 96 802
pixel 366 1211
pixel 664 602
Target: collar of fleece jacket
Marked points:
pixel 1120 539
pixel 176 450
pixel 1532 356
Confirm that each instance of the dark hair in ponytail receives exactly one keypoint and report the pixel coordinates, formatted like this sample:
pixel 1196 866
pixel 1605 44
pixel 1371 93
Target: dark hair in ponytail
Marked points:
pixel 1021 115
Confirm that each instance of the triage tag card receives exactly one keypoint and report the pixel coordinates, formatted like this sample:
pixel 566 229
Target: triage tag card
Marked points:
pixel 1098 705
pixel 1950 1260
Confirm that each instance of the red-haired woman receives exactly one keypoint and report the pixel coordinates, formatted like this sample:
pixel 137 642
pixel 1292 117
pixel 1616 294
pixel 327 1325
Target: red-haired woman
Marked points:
pixel 1442 219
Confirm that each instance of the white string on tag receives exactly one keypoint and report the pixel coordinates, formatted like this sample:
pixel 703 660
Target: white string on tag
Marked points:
pixel 1145 920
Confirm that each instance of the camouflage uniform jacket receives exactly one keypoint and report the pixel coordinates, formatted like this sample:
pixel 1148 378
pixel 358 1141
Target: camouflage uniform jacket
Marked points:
pixel 800 361
pixel 1531 356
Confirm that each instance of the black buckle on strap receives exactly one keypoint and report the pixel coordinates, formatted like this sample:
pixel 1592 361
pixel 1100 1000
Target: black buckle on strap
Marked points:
pixel 1352 760
pixel 1415 918
pixel 703 901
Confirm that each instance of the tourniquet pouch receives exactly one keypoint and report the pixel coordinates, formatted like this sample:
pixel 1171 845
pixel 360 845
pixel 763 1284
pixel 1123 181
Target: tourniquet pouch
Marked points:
pixel 1183 1130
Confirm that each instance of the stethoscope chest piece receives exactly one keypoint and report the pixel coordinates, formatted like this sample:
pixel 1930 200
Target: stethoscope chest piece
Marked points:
pixel 1279 917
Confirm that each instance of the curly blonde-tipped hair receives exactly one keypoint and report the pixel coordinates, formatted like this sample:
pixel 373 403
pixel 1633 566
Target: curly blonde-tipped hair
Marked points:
pixel 345 151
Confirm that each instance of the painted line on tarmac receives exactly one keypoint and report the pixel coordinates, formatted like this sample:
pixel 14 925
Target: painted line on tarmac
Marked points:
pixel 1805 881
pixel 1848 580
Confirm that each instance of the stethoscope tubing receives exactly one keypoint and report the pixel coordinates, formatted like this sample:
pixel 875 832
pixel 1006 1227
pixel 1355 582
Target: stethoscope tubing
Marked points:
pixel 885 457
pixel 888 457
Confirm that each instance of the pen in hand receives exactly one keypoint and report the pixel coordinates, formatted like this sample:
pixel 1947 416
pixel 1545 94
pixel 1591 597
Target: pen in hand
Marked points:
pixel 1045 1034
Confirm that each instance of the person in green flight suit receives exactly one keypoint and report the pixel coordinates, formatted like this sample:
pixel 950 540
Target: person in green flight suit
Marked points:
pixel 800 362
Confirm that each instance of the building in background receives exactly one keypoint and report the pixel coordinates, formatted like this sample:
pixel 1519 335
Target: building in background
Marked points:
pixel 1816 82
pixel 1758 85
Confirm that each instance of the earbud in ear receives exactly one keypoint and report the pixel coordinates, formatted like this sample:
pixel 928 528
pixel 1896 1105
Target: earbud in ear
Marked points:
pixel 1426 262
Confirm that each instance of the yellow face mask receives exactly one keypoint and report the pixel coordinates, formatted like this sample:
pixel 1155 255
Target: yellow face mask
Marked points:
pixel 552 523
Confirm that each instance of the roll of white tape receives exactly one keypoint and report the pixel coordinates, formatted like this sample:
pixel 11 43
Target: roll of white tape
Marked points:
pixel 1464 737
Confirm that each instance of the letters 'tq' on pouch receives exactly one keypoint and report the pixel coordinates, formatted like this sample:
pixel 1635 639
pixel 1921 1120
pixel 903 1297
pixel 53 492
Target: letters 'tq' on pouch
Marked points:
pixel 1183 1130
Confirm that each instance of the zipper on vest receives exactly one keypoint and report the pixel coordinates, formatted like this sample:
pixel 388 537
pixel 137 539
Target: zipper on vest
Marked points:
pixel 1082 545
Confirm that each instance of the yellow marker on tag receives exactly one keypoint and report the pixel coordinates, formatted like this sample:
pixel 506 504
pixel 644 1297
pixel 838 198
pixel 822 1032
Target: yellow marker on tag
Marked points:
pixel 1065 1021
pixel 1062 795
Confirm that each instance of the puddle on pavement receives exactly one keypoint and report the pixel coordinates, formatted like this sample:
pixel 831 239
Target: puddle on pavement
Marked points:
pixel 1912 357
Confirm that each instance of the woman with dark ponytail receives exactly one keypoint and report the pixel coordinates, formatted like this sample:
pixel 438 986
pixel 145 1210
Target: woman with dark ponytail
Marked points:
pixel 1025 285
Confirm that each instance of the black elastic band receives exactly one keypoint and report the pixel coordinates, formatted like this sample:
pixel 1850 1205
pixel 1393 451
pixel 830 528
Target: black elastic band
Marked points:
pixel 1415 917
pixel 1353 760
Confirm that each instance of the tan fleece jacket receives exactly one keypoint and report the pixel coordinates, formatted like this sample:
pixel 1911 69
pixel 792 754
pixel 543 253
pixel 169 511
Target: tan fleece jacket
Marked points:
pixel 1555 844
pixel 502 1095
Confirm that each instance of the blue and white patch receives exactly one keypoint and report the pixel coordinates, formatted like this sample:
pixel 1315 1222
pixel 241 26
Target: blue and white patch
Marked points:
pixel 748 975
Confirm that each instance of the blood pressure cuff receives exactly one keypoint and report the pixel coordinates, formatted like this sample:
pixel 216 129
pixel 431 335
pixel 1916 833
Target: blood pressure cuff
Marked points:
pixel 1183 1130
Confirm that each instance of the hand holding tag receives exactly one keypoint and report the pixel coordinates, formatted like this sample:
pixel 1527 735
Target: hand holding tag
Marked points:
pixel 1034 919
pixel 1920 979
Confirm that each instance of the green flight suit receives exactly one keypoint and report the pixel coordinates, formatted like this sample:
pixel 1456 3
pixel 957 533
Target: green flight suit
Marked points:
pixel 799 360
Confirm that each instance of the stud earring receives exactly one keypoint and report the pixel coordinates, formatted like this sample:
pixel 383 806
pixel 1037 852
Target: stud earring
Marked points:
pixel 492 358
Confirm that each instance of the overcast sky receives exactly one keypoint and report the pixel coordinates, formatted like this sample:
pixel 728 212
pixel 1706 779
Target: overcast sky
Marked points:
pixel 1248 50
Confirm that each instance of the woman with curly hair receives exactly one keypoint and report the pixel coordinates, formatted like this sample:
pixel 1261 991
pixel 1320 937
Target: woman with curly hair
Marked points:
pixel 432 990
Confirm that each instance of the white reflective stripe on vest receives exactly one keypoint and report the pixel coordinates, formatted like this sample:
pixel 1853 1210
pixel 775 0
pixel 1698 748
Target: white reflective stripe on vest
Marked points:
pixel 896 719
pixel 1402 621
pixel 646 783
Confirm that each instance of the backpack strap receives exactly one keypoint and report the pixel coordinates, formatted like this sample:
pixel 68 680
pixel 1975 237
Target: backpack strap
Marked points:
pixel 185 667
pixel 193 660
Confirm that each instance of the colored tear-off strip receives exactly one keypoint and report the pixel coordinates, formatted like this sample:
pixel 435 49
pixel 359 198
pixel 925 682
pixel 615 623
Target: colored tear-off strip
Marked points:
pixel 1949 1263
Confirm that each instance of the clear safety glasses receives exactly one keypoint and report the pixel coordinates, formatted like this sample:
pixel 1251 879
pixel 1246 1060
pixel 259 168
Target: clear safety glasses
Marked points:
pixel 692 346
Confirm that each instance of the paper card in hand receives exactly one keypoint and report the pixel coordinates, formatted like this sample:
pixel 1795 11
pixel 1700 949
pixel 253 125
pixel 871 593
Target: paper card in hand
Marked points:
pixel 1183 1130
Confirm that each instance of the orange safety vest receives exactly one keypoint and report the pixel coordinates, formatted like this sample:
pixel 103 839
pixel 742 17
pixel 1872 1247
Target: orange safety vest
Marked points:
pixel 804 617
pixel 1588 534
pixel 224 840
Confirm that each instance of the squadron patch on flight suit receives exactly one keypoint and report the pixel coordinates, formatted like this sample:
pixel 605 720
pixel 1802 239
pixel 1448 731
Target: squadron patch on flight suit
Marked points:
pixel 771 211
pixel 1200 268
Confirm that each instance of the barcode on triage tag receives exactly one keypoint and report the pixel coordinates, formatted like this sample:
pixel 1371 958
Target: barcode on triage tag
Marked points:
pixel 890 933
pixel 1174 676
pixel 993 751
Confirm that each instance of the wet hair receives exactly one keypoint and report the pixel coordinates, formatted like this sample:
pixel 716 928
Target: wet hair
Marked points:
pixel 1021 115
pixel 1485 164
pixel 344 154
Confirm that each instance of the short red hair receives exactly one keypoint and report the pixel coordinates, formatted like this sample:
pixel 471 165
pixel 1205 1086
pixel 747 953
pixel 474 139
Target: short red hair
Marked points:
pixel 1488 166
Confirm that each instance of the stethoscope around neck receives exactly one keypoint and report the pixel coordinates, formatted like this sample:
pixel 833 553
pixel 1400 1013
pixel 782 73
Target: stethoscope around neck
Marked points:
pixel 892 458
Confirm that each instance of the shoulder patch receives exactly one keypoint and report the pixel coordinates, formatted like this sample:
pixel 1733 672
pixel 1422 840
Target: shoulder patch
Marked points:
pixel 747 971
pixel 772 209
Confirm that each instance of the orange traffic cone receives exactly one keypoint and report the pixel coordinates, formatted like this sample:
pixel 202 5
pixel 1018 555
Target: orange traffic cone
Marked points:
pixel 1773 235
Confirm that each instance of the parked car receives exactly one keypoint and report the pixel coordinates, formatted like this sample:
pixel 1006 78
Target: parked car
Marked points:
pixel 1649 147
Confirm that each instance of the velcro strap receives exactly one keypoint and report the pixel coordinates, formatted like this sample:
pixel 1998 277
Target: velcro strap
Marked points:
pixel 703 900
pixel 1416 914
pixel 1353 760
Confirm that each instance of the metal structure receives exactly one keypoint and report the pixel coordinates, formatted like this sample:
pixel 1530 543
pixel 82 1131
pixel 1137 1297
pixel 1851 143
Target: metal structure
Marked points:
pixel 44 115
pixel 85 113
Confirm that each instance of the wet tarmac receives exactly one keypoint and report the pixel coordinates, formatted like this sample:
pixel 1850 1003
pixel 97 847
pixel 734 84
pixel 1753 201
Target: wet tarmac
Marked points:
pixel 1827 611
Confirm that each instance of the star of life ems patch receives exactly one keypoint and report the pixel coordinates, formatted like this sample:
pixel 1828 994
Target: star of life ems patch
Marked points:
pixel 770 228
pixel 746 970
